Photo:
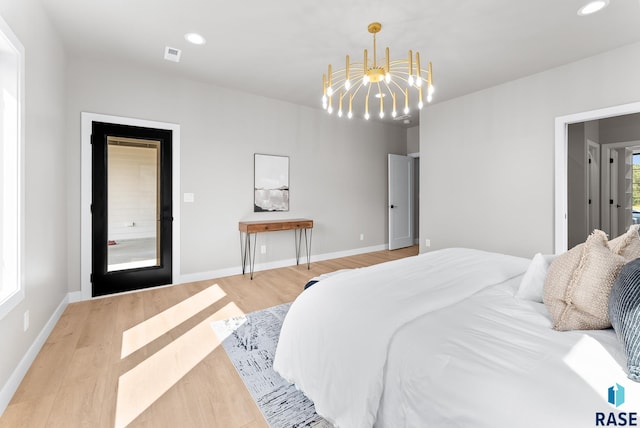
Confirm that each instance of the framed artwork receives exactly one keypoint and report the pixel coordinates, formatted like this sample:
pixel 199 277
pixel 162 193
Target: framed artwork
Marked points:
pixel 271 183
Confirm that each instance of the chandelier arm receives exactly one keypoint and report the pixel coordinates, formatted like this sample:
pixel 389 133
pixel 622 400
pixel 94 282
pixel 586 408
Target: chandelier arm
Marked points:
pixel 386 85
pixel 401 88
pixel 359 85
pixel 381 113
pixel 393 96
pixel 339 76
pixel 405 63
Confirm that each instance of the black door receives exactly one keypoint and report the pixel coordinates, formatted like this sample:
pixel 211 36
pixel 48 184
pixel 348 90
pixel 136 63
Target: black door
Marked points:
pixel 131 208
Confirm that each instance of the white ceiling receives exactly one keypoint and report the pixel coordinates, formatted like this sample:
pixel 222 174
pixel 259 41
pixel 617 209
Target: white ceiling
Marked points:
pixel 279 49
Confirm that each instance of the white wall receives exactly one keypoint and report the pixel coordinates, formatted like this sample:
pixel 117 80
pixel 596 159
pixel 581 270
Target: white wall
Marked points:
pixel 413 139
pixel 487 159
pixel 338 168
pixel 46 194
pixel 620 129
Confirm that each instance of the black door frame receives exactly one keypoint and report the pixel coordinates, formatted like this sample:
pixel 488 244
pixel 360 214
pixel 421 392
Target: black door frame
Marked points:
pixel 103 281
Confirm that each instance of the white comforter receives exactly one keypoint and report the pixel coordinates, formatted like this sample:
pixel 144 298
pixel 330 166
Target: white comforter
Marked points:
pixel 335 339
pixel 494 361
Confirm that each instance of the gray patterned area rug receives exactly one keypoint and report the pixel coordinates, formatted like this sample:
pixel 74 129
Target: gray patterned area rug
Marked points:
pixel 250 341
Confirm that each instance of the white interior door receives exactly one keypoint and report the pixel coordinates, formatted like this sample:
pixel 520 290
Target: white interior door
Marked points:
pixel 614 199
pixel 400 201
pixel 593 187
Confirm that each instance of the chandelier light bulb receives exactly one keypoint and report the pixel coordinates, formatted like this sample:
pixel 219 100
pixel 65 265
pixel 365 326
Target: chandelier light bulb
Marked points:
pixel 349 115
pixel 420 105
pixel 381 115
pixel 394 113
pixel 329 91
pixel 365 79
pixel 339 113
pixel 387 77
pixel 410 80
pixel 418 81
pixel 366 116
pixel 406 110
pixel 431 90
pixel 330 109
pixel 347 85
pixel 429 98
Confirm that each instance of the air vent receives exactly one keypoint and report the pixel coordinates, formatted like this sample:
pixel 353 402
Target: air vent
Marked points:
pixel 172 54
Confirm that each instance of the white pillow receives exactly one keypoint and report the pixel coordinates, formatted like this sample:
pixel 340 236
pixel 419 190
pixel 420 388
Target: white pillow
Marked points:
pixel 532 285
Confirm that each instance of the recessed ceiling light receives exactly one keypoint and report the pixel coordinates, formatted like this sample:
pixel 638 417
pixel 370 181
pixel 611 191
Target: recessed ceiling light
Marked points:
pixel 195 38
pixel 592 7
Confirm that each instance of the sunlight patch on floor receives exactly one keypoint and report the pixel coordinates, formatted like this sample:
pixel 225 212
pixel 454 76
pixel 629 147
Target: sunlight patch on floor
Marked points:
pixel 141 386
pixel 149 330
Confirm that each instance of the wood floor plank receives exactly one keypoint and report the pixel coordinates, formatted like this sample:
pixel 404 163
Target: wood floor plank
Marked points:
pixel 31 413
pixel 79 378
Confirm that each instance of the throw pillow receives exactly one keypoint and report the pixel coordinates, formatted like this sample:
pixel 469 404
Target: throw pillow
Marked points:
pixel 627 244
pixel 579 282
pixel 532 284
pixel 624 313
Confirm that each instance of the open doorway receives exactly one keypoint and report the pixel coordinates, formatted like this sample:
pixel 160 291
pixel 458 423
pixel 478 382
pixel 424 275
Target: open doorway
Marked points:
pixel 603 176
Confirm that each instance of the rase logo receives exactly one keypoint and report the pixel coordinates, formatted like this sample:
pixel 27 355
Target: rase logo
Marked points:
pixel 615 397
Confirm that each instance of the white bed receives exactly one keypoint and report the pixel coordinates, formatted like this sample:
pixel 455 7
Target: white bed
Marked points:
pixel 441 340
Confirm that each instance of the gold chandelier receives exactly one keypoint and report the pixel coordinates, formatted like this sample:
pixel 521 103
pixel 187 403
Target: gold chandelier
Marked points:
pixel 402 80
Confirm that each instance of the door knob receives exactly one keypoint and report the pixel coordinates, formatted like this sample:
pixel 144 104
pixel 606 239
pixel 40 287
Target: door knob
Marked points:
pixel 393 206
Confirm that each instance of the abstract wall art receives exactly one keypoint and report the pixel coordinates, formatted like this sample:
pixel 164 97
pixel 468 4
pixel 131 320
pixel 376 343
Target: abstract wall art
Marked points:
pixel 271 183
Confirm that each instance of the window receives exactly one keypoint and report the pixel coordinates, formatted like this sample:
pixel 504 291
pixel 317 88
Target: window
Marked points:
pixel 11 161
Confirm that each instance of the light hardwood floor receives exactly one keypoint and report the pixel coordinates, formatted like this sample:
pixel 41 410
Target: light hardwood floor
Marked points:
pixel 150 359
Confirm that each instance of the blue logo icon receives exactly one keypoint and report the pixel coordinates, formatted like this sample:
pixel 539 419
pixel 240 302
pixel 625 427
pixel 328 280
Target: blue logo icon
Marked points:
pixel 616 395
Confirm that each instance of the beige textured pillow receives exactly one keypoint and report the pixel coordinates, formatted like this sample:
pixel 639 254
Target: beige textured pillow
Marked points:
pixel 628 244
pixel 579 282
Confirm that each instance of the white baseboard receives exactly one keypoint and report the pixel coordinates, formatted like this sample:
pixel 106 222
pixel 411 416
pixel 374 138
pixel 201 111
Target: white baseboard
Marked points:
pixel 75 296
pixel 203 276
pixel 11 386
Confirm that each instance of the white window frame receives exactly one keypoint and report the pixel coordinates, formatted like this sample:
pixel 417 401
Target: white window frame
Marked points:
pixel 10 299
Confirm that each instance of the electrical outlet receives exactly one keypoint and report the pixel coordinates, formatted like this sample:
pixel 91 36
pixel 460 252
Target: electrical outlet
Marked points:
pixel 362 236
pixel 263 249
pixel 26 320
pixel 427 242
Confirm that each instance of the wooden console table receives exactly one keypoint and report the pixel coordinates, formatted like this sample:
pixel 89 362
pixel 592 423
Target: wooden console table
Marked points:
pixel 248 228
